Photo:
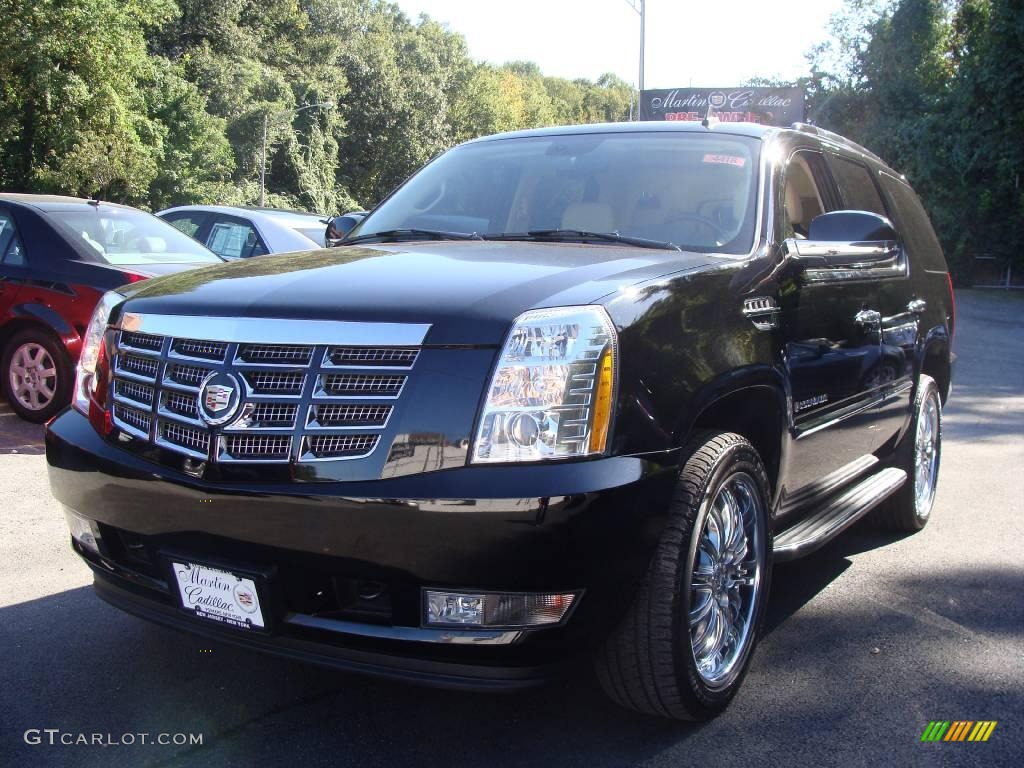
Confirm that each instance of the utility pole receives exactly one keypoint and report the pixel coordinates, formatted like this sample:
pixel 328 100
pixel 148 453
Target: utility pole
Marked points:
pixel 267 119
pixel 640 6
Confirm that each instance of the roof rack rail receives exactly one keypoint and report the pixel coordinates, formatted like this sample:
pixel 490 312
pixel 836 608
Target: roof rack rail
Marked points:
pixel 835 138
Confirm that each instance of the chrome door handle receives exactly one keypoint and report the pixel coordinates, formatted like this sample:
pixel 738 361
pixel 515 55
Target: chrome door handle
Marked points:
pixel 917 306
pixel 868 320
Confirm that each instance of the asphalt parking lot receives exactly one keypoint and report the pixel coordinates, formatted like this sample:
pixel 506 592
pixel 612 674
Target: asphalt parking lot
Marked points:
pixel 866 641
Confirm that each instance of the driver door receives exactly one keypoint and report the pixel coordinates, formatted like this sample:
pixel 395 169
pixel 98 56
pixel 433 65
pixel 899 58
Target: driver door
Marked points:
pixel 832 342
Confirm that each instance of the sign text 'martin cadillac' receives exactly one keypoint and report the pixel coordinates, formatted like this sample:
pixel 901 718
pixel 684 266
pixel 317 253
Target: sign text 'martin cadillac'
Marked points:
pixel 770 106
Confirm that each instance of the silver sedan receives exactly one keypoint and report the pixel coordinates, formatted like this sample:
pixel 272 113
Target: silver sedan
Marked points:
pixel 238 233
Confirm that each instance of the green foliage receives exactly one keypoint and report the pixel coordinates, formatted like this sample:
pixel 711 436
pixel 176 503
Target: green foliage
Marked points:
pixel 934 87
pixel 157 103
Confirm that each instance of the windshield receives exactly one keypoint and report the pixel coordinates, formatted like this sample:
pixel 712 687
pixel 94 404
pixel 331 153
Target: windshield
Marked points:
pixel 692 190
pixel 126 236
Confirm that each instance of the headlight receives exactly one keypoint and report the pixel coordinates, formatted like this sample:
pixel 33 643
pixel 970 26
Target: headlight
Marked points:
pixel 552 391
pixel 85 374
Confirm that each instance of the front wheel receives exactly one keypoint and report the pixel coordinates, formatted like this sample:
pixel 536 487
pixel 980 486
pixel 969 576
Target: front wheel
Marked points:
pixel 685 645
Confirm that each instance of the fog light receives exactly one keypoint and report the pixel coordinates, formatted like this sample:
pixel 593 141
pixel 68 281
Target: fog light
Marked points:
pixel 84 531
pixel 495 609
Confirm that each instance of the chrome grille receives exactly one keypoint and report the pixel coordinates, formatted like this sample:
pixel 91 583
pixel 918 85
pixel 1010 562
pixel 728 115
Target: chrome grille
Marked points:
pixel 275 354
pixel 182 404
pixel 274 413
pixel 332 415
pixel 132 390
pixel 257 447
pixel 189 375
pixel 295 405
pixel 339 446
pixel 352 384
pixel 192 439
pixel 141 341
pixel 372 356
pixel 208 350
pixel 138 421
pixel 140 366
pixel 272 382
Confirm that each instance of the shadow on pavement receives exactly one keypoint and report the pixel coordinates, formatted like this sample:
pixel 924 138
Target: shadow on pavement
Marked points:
pixel 145 678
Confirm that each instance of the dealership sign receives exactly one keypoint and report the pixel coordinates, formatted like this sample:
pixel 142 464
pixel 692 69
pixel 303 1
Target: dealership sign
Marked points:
pixel 771 106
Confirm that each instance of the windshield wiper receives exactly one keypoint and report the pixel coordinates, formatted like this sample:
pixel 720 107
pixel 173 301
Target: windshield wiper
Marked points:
pixel 581 234
pixel 398 234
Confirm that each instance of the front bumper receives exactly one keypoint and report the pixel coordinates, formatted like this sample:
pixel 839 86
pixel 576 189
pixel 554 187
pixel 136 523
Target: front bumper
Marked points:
pixel 588 527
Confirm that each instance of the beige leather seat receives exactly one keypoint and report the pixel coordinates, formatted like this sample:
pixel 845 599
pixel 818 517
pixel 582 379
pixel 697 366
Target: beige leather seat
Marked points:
pixel 795 211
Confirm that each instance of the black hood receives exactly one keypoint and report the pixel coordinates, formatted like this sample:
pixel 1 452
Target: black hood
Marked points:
pixel 468 292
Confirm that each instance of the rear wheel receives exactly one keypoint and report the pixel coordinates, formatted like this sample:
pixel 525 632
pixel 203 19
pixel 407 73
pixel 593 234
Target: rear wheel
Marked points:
pixel 918 455
pixel 36 375
pixel 684 647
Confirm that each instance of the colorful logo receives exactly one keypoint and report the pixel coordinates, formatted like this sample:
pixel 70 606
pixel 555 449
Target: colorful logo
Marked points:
pixel 958 730
pixel 219 398
pixel 245 598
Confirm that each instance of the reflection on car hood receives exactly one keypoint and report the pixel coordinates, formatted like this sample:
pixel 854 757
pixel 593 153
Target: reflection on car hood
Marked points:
pixel 468 291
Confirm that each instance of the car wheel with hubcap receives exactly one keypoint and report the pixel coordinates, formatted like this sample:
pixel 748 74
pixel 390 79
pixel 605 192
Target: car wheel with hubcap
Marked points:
pixel 36 375
pixel 918 454
pixel 684 646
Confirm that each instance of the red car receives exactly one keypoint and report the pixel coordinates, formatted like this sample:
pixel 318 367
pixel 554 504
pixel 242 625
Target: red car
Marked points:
pixel 58 255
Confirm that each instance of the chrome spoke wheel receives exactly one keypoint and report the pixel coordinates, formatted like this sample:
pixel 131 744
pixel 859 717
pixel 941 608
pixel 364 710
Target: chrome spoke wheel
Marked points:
pixel 724 583
pixel 32 375
pixel 926 456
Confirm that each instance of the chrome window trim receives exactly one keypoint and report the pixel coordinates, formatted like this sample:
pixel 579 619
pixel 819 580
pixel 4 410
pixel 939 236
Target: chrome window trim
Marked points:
pixel 276 330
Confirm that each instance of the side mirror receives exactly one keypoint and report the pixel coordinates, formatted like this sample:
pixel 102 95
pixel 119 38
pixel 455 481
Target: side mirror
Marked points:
pixel 853 240
pixel 851 227
pixel 340 226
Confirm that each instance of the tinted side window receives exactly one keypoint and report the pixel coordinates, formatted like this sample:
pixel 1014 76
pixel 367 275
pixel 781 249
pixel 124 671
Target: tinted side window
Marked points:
pixel 234 240
pixel 806 193
pixel 856 186
pixel 913 225
pixel 12 253
pixel 189 223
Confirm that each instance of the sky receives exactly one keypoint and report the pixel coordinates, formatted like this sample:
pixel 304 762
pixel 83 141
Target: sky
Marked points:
pixel 689 42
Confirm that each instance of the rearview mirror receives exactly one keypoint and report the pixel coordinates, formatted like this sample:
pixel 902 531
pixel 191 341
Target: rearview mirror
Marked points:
pixel 340 226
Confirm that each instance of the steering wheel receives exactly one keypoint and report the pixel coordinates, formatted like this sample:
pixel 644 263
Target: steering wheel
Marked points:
pixel 718 232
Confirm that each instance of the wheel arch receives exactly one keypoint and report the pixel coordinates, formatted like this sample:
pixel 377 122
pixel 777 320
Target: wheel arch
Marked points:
pixel 936 360
pixel 40 316
pixel 755 407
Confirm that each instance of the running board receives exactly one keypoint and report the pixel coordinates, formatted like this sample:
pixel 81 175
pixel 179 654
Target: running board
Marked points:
pixel 839 514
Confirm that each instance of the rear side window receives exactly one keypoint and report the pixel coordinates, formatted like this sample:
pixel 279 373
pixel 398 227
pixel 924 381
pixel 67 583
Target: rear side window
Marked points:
pixel 856 186
pixel 12 253
pixel 189 223
pixel 234 240
pixel 913 225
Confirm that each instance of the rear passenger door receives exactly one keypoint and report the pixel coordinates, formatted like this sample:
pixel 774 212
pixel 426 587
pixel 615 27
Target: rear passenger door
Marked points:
pixel 859 188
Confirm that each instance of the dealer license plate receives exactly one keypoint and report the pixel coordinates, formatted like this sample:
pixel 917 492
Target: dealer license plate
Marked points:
pixel 219 596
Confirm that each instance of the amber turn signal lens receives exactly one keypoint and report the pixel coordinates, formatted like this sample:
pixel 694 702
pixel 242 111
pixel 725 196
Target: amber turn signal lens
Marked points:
pixel 602 403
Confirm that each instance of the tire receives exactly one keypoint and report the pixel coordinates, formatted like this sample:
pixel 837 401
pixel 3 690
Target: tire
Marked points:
pixel 909 509
pixel 648 663
pixel 35 374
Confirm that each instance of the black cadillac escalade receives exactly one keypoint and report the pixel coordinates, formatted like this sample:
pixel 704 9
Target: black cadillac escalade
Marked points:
pixel 566 393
